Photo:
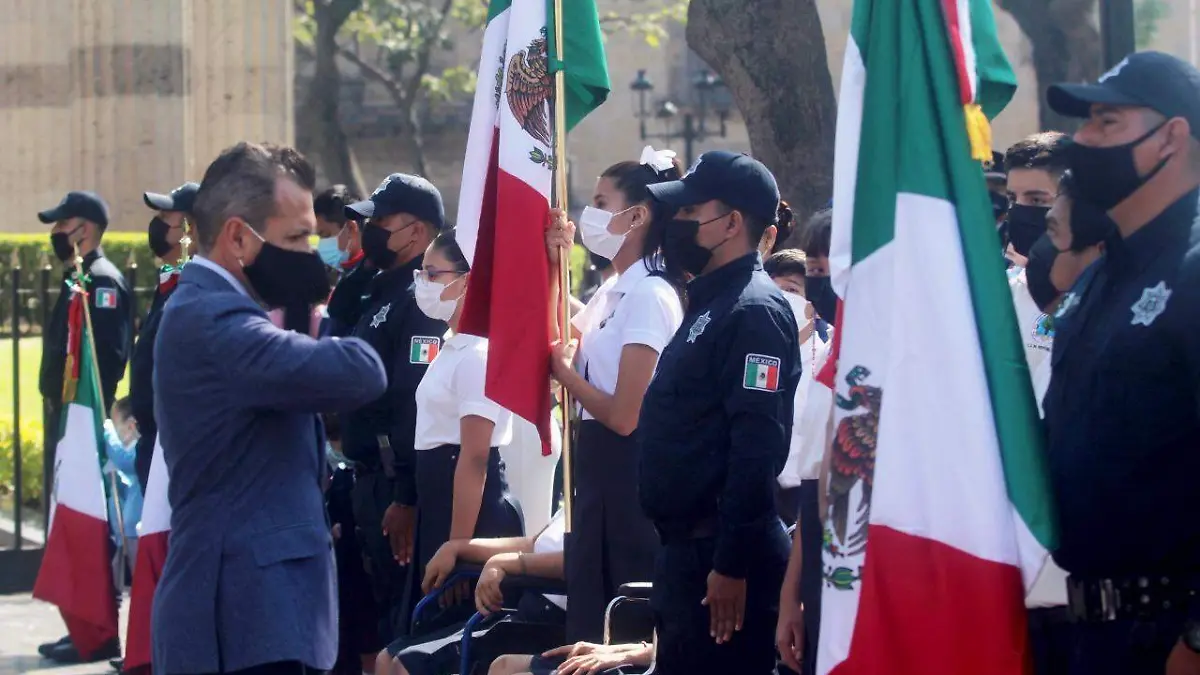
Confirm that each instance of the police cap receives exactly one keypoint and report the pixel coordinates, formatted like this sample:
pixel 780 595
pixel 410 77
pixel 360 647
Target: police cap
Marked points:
pixel 180 199
pixel 78 204
pixel 735 179
pixel 402 193
pixel 1161 82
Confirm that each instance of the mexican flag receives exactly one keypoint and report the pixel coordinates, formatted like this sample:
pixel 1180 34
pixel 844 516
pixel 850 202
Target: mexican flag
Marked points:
pixel 153 533
pixel 939 516
pixel 506 188
pixel 76 572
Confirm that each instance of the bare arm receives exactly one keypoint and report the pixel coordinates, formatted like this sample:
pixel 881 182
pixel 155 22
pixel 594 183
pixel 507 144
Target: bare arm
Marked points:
pixel 470 475
pixel 617 411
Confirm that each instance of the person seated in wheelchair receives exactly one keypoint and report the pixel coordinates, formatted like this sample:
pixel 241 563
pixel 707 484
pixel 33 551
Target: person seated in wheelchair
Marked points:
pixel 539 556
pixel 581 658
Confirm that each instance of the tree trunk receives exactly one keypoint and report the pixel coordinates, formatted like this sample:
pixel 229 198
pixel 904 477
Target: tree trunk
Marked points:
pixel 1066 48
pixel 773 61
pixel 331 145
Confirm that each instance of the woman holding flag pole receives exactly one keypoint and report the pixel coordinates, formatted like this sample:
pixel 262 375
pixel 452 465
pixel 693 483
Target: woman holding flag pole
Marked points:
pixel 622 330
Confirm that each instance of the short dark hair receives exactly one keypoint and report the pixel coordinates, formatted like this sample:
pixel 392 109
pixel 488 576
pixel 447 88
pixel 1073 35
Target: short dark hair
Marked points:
pixel 818 232
pixel 241 183
pixel 331 203
pixel 447 243
pixel 122 407
pixel 785 262
pixel 1046 150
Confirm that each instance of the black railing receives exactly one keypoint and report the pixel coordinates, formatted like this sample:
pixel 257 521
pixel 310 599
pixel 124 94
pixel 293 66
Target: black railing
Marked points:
pixel 29 299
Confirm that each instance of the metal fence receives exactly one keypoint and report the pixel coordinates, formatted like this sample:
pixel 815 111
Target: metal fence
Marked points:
pixel 23 531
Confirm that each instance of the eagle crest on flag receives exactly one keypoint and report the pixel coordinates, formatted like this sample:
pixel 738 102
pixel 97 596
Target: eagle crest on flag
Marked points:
pixel 530 88
pixel 853 459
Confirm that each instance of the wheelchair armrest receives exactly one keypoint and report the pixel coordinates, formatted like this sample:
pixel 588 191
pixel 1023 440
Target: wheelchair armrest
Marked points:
pixel 534 584
pixel 639 590
pixel 460 573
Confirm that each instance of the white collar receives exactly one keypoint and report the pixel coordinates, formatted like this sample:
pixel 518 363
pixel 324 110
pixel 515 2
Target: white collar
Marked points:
pixel 463 341
pixel 224 273
pixel 637 271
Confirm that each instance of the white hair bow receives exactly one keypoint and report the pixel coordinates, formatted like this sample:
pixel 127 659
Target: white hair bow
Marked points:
pixel 659 160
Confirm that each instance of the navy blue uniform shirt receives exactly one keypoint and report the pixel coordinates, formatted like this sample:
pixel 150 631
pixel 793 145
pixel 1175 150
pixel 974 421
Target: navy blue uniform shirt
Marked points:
pixel 406 341
pixel 349 296
pixel 1122 410
pixel 717 419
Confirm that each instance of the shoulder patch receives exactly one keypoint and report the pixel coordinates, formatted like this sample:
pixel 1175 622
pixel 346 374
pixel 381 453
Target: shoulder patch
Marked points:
pixel 761 373
pixel 106 298
pixel 423 349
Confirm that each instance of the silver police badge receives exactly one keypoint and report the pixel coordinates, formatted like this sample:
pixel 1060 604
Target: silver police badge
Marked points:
pixel 380 317
pixel 698 327
pixel 1152 303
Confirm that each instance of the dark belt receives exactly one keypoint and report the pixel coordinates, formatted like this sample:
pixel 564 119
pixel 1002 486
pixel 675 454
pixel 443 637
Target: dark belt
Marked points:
pixel 1140 597
pixel 674 533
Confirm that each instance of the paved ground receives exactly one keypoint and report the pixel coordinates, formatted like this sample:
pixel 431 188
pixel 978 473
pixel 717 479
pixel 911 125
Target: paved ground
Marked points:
pixel 24 624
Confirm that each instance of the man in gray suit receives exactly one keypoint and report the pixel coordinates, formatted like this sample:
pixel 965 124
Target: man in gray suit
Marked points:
pixel 249 584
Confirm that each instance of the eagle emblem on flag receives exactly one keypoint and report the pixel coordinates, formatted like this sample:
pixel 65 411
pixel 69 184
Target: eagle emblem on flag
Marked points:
pixel 853 459
pixel 530 88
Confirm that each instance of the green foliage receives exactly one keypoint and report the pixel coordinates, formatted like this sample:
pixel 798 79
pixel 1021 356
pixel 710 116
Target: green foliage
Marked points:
pixel 652 26
pixel 31 461
pixel 33 252
pixel 1147 14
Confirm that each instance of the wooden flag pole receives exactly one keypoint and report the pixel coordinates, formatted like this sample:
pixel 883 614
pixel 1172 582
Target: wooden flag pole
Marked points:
pixel 564 255
pixel 99 395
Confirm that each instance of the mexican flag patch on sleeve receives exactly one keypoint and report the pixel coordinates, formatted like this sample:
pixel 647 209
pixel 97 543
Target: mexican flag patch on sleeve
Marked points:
pixel 423 349
pixel 762 373
pixel 106 298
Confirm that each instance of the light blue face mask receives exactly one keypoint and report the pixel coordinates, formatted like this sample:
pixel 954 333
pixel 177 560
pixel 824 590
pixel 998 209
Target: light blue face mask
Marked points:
pixel 327 248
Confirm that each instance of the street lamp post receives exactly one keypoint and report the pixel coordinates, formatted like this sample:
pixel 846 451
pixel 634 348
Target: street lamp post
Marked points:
pixel 695 121
pixel 1116 30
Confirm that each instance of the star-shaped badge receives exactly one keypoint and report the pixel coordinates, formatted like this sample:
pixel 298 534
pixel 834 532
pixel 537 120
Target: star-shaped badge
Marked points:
pixel 698 327
pixel 1150 305
pixel 381 316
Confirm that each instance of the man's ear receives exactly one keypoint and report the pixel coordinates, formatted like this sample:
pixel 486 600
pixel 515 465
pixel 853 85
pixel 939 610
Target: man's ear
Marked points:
pixel 235 232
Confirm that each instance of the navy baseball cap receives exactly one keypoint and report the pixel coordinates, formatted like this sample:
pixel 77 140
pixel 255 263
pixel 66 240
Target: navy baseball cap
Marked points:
pixel 736 180
pixel 78 204
pixel 1161 82
pixel 402 193
pixel 180 199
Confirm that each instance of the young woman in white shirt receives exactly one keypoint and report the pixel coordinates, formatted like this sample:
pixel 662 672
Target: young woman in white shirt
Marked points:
pixel 462 490
pixel 621 332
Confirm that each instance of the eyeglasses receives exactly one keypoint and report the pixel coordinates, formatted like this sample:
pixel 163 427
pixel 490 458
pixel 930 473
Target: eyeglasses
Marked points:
pixel 432 273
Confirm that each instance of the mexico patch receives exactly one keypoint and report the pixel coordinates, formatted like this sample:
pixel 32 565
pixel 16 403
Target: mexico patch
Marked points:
pixel 423 349
pixel 106 298
pixel 762 373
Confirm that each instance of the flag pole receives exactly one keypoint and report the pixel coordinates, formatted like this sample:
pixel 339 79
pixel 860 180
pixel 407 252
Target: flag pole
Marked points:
pixel 564 255
pixel 87 322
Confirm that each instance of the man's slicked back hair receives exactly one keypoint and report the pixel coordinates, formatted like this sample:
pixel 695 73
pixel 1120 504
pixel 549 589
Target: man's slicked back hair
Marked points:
pixel 241 183
pixel 1046 150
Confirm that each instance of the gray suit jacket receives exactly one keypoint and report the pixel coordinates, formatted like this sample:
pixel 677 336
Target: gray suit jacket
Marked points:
pixel 249 577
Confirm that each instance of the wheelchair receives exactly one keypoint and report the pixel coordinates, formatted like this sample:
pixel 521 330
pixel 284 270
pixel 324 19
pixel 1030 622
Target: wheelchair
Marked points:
pixel 627 619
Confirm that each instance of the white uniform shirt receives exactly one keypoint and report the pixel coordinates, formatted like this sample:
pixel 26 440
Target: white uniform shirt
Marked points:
pixel 632 308
pixel 805 452
pixel 551 541
pixel 452 389
pixel 1050 588
pixel 808 425
pixel 1032 322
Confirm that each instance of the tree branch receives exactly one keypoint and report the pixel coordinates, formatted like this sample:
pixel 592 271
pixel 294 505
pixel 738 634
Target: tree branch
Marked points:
pixel 372 72
pixel 425 52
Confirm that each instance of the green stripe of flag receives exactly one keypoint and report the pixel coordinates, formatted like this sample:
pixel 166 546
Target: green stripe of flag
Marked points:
pixel 496 8
pixel 583 57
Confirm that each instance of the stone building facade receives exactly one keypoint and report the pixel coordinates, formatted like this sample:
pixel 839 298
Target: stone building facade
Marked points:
pixel 121 96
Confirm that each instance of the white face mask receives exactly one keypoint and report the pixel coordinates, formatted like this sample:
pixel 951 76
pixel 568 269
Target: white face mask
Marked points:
pixel 593 225
pixel 800 308
pixel 429 298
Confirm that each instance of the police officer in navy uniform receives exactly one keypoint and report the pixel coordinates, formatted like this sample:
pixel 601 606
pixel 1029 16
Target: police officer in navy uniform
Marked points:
pixel 716 424
pixel 1121 411
pixel 340 247
pixel 80 220
pixel 402 216
pixel 166 233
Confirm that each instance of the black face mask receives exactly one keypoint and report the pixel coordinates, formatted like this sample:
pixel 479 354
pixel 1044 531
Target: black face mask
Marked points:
pixel 1037 273
pixel 158 233
pixel 64 250
pixel 1025 225
pixel 1107 176
pixel 288 279
pixel 681 249
pixel 375 246
pixel 819 291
